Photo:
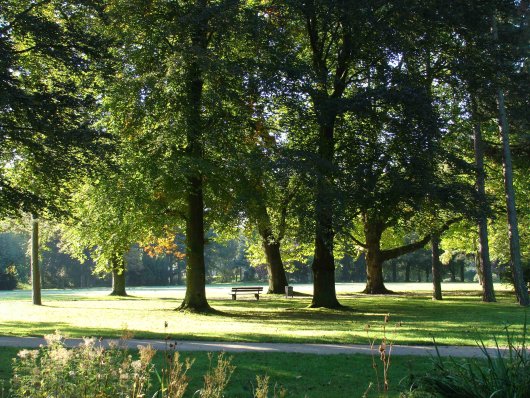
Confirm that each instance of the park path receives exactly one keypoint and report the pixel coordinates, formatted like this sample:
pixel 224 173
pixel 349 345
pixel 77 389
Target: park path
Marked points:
pixel 211 346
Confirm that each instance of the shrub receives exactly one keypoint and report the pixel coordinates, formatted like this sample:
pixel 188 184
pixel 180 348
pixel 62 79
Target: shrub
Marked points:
pixel 86 371
pixel 90 370
pixel 502 375
pixel 8 278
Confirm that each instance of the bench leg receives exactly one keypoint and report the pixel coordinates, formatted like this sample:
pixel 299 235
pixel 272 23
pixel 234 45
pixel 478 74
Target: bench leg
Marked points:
pixel 233 296
pixel 257 296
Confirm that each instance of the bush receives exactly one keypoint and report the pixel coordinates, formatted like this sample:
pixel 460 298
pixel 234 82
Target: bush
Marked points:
pixel 8 278
pixel 503 375
pixel 86 371
pixel 90 370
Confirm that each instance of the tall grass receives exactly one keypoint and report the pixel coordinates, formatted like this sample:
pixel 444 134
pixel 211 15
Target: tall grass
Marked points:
pixel 503 374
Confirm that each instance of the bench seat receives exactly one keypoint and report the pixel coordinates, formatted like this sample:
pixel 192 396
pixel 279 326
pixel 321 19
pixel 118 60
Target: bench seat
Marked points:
pixel 255 290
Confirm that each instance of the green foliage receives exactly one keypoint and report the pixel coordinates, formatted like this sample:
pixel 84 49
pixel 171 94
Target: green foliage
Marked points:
pixel 495 375
pixel 8 278
pixel 49 52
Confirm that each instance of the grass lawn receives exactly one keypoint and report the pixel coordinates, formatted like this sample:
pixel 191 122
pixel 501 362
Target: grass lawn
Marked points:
pixel 303 375
pixel 459 319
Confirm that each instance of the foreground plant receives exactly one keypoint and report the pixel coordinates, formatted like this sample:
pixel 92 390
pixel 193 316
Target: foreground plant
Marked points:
pixel 85 371
pixel 501 375
pixel 384 350
pixel 262 388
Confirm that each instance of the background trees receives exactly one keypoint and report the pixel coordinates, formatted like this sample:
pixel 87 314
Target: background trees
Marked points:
pixel 314 127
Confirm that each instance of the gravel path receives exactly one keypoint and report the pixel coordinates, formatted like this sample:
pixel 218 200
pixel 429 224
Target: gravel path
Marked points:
pixel 320 349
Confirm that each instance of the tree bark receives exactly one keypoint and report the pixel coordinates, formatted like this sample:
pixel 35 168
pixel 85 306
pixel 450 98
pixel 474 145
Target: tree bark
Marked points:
pixel 118 277
pixel 195 298
pixel 35 268
pixel 513 230
pixel 374 259
pixel 488 293
pixel 276 271
pixel 271 246
pixel 324 294
pixel 436 268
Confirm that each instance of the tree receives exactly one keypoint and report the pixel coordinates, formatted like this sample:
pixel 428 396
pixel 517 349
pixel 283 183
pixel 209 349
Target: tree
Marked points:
pixel 175 99
pixel 327 37
pixel 515 250
pixel 46 52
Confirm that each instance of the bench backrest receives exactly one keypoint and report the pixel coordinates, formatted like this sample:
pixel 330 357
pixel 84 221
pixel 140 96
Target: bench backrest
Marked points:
pixel 247 289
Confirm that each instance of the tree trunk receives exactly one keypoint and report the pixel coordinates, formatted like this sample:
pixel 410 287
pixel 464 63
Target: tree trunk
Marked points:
pixel 374 260
pixel 407 272
pixel 35 268
pixel 427 273
pixel 277 277
pixel 323 266
pixel 452 272
pixel 195 298
pixel 513 230
pixel 488 294
pixel 436 268
pixel 271 246
pixel 118 277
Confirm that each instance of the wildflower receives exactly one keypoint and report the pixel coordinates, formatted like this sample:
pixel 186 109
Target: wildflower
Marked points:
pixel 28 354
pixel 146 354
pixel 137 366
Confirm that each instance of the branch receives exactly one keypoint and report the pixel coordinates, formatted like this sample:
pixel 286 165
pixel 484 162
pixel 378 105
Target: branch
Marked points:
pixel 355 240
pixel 399 251
pixel 283 219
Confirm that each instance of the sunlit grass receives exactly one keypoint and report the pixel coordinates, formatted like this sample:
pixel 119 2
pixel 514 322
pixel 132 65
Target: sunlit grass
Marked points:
pixel 460 319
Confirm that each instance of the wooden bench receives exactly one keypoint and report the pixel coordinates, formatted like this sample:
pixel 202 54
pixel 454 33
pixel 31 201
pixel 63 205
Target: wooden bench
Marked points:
pixel 255 290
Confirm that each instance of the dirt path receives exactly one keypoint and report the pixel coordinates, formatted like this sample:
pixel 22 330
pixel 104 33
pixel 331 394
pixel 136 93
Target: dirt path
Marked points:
pixel 320 349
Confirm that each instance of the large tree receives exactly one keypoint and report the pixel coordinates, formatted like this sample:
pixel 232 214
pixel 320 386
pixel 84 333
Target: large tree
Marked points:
pixel 48 54
pixel 176 99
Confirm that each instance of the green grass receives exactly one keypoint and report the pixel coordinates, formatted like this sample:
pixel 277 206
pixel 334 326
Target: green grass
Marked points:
pixel 460 319
pixel 302 375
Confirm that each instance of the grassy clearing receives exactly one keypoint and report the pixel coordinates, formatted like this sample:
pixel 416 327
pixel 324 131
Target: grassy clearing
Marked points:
pixel 303 375
pixel 459 319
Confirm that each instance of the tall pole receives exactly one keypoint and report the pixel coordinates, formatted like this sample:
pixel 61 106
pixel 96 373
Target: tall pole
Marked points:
pixel 513 229
pixel 35 269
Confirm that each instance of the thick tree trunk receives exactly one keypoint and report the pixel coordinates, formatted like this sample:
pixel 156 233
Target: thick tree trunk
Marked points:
pixel 118 277
pixel 436 268
pixel 35 268
pixel 118 283
pixel 374 259
pixel 195 298
pixel 323 266
pixel 488 294
pixel 277 277
pixel 271 247
pixel 513 230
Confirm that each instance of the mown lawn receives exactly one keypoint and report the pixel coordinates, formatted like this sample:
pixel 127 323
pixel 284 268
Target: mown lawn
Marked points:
pixel 460 319
pixel 303 375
